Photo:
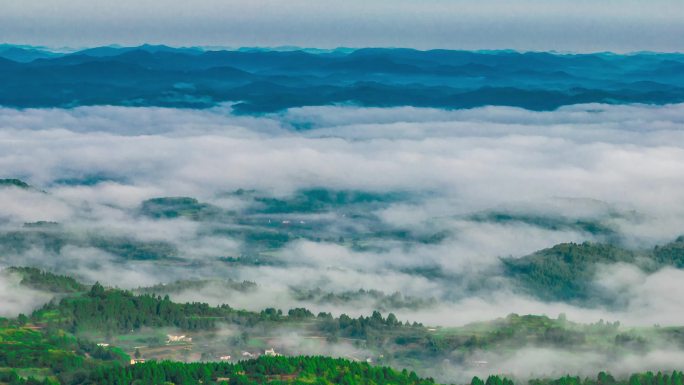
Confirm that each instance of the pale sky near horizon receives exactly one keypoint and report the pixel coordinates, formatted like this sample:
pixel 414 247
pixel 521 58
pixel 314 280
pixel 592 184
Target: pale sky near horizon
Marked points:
pixel 560 25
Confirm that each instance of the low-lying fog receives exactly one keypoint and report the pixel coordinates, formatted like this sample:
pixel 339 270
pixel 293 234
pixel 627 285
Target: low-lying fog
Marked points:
pixel 92 167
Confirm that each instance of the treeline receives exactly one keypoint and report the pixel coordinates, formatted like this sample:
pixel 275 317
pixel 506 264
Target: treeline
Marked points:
pixel 41 280
pixel 316 370
pixel 53 238
pixel 365 327
pixel 379 299
pixel 184 285
pixel 14 183
pixel 603 378
pixel 567 271
pixel 274 370
pixel 671 254
pixel 514 332
pixel 119 310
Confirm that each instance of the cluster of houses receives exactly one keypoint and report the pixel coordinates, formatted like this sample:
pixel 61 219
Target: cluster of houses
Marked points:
pixel 248 355
pixel 271 353
pixel 182 338
pixel 227 357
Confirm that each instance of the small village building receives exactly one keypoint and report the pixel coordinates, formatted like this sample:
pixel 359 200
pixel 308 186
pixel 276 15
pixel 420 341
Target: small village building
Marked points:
pixel 271 353
pixel 174 338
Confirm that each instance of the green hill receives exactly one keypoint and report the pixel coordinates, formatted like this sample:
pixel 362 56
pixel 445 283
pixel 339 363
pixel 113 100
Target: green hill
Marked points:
pixel 14 183
pixel 42 280
pixel 564 272
pixel 567 271
pixel 671 254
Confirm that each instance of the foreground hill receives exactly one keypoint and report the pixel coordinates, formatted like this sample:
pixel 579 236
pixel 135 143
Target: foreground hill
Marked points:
pixel 155 328
pixel 31 357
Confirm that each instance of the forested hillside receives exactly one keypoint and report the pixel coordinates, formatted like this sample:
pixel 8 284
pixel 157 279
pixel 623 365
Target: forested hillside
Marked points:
pixel 567 272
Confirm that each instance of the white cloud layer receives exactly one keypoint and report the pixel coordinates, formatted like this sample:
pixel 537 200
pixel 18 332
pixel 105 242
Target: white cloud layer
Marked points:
pixel 622 164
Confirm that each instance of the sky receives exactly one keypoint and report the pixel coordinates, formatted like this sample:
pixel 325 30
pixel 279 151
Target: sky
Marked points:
pixel 559 25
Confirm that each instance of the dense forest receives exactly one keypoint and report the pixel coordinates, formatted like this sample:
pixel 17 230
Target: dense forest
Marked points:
pixel 72 361
pixel 566 272
pixel 111 311
pixel 101 366
pixel 118 310
pixel 275 370
pixel 49 345
pixel 41 280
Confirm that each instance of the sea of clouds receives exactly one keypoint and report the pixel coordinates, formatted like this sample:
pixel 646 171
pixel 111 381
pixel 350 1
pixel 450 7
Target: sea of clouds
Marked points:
pixel 579 162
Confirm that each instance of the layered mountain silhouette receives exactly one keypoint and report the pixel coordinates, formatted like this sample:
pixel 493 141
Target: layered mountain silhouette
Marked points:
pixel 261 81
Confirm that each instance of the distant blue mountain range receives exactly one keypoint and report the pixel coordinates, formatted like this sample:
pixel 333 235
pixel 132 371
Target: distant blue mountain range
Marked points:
pixel 261 80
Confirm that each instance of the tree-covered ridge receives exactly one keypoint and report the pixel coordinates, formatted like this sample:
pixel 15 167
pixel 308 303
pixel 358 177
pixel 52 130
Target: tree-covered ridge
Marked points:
pixel 316 370
pixel 303 201
pixel 52 238
pixel 567 271
pixel 187 284
pixel 11 182
pixel 116 314
pixel 119 310
pixel 671 254
pixel 274 370
pixel 42 280
pixel 103 313
pixel 550 222
pixel 516 331
pixel 603 378
pixel 318 200
pixel 177 207
pixel 313 200
pixel 263 222
pixel 379 299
